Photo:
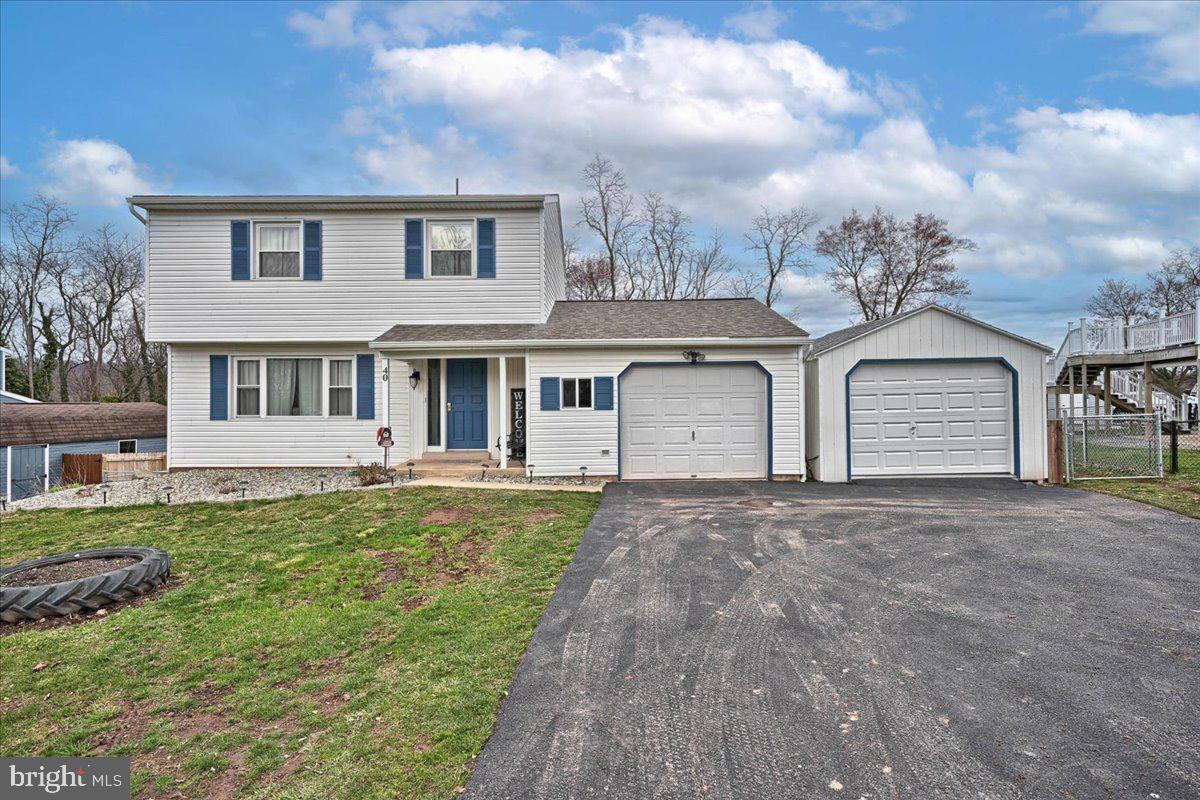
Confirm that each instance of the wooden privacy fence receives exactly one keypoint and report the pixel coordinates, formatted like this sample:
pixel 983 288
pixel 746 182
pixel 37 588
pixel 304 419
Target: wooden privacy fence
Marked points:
pixel 92 468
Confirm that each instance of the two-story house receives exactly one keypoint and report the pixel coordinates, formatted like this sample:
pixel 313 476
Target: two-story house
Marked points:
pixel 298 326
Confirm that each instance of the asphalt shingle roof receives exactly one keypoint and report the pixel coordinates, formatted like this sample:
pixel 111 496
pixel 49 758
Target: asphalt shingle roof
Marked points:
pixel 58 423
pixel 732 318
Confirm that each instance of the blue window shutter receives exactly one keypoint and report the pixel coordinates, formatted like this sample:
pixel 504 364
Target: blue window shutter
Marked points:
pixel 218 387
pixel 312 250
pixel 602 394
pixel 239 249
pixel 414 248
pixel 549 394
pixel 366 387
pixel 487 248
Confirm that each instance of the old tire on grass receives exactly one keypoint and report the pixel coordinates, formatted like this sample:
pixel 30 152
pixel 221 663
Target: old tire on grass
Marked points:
pixel 19 603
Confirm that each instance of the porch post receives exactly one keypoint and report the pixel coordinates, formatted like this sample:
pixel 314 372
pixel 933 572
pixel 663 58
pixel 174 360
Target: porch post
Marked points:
pixel 503 412
pixel 387 393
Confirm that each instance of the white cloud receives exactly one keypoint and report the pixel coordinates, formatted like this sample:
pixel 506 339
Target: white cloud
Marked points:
pixel 758 20
pixel 876 15
pixel 347 23
pixel 723 127
pixel 93 171
pixel 1170 28
pixel 885 51
pixel 333 27
pixel 7 168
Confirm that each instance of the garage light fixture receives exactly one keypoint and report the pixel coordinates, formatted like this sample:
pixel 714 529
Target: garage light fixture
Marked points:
pixel 694 356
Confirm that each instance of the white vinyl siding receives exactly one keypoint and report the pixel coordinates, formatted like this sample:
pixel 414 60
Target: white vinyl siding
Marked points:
pixel 560 442
pixel 362 291
pixel 197 441
pixel 555 277
pixel 931 334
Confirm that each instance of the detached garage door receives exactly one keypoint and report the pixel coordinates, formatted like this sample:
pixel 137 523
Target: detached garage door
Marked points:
pixel 703 421
pixel 949 418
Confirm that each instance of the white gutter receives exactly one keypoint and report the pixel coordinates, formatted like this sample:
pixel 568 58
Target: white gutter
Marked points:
pixel 550 343
pixel 137 216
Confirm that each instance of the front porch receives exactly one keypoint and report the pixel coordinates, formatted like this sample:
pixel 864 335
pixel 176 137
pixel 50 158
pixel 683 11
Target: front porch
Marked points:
pixel 462 409
pixel 461 464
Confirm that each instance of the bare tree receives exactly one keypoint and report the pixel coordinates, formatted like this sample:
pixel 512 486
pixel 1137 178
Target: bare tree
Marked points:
pixel 708 271
pixel 781 239
pixel 1118 299
pixel 667 239
pixel 608 211
pixel 887 267
pixel 1168 291
pixel 588 278
pixel 109 273
pixel 37 246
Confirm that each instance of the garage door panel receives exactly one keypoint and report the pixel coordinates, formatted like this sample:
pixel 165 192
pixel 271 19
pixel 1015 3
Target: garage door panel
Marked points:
pixel 993 429
pixel 639 408
pixel 910 418
pixel 708 421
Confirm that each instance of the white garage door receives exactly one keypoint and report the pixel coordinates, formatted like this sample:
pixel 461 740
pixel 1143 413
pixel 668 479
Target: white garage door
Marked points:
pixel 950 418
pixel 704 421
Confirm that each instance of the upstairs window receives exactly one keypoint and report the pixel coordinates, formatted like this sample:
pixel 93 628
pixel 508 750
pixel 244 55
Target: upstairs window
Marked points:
pixel 576 392
pixel 451 247
pixel 278 249
pixel 341 387
pixel 127 446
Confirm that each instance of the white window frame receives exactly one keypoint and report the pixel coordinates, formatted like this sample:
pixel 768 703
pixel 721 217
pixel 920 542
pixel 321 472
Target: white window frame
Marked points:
pixel 327 371
pixel 278 223
pixel 474 223
pixel 262 386
pixel 562 394
pixel 123 441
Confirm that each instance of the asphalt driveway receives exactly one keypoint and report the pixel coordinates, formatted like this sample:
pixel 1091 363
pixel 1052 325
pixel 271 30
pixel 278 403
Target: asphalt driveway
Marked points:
pixel 959 639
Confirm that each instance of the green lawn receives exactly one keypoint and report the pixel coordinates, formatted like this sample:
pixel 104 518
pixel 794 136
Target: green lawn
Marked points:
pixel 349 645
pixel 1179 492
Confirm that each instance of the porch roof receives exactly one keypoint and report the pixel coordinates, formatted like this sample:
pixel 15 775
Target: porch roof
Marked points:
pixel 633 321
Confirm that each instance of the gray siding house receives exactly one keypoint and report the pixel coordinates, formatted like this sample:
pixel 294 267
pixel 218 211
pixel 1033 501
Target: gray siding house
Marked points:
pixel 34 437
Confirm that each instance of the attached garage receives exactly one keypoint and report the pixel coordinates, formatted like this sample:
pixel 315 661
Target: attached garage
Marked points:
pixel 694 421
pixel 928 393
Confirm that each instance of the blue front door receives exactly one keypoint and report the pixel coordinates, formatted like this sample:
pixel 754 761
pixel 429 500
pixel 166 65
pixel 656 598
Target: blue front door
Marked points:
pixel 466 389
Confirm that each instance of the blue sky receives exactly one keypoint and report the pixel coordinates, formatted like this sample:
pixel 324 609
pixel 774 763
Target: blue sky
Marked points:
pixel 1063 138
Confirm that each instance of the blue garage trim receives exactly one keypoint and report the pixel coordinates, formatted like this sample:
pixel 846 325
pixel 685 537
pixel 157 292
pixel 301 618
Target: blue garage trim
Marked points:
pixel 756 364
pixel 1016 398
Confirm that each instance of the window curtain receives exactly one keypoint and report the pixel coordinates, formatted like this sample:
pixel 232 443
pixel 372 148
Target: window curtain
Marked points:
pixel 293 387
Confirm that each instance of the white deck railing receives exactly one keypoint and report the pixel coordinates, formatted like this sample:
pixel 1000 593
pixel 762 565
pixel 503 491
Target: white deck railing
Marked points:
pixel 1094 337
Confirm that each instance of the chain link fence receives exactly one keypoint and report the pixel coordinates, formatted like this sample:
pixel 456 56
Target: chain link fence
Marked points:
pixel 1107 446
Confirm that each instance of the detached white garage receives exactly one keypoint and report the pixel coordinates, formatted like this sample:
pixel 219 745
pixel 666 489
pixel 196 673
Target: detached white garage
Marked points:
pixel 926 393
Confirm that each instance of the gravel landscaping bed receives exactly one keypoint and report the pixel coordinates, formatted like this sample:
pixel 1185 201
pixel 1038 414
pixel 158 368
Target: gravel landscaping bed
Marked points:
pixel 555 481
pixel 193 486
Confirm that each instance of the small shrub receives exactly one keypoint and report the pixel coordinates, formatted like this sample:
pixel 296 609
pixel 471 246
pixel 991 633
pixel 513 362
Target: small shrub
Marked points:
pixel 372 474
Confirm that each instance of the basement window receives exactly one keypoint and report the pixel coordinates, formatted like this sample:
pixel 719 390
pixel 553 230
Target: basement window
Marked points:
pixel 576 392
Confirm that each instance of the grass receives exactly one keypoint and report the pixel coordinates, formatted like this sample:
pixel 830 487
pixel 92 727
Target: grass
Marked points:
pixel 333 646
pixel 1178 492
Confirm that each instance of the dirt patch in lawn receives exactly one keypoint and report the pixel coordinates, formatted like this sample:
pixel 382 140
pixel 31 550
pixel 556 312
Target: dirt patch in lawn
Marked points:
pixel 10 628
pixel 448 565
pixel 449 515
pixel 542 515
pixel 68 571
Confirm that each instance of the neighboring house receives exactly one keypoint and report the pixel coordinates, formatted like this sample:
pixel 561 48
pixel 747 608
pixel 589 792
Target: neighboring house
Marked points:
pixel 33 438
pixel 298 326
pixel 927 392
pixel 5 395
